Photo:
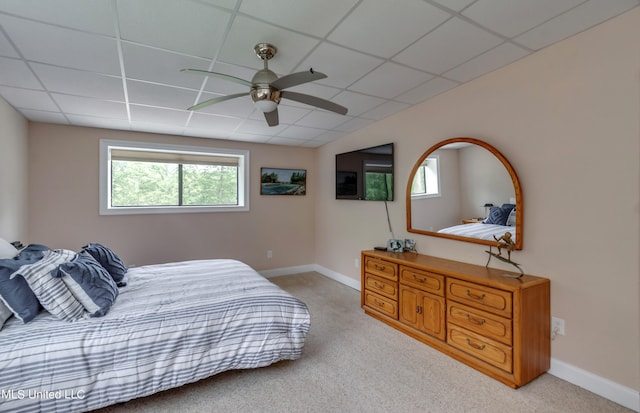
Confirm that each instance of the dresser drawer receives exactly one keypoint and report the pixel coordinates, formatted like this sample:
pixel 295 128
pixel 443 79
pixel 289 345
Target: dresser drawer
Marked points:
pixel 485 298
pixel 381 268
pixel 494 353
pixel 424 280
pixel 381 303
pixel 381 286
pixel 481 322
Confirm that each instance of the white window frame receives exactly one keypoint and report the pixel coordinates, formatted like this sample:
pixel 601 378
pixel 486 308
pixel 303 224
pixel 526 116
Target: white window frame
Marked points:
pixel 435 194
pixel 105 178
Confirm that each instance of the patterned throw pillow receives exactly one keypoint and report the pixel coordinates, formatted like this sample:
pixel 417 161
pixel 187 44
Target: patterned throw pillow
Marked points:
pixel 109 260
pixel 89 282
pixel 5 313
pixel 52 292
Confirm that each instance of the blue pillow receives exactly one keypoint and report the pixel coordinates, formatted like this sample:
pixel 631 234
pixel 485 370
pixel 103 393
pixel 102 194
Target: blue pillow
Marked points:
pixel 89 282
pixel 16 293
pixel 109 260
pixel 497 216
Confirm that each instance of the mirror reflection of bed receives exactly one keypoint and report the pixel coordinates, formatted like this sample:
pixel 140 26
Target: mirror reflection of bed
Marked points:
pixel 452 185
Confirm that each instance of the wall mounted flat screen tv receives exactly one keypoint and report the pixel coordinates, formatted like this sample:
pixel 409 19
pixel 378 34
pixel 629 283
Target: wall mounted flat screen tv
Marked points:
pixel 365 174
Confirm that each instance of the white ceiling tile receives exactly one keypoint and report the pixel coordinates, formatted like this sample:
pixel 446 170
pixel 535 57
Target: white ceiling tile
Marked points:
pixel 155 127
pixel 277 140
pixel 227 87
pixel 431 88
pixel 246 32
pixel 288 115
pixel 162 96
pixel 215 123
pixel 260 127
pixel 300 132
pixel 245 137
pixel 147 114
pixel 516 16
pixel 453 43
pixel 28 99
pixel 357 103
pixel 64 47
pixel 16 73
pixel 486 62
pixel 409 20
pixel 92 16
pixel 328 136
pixel 386 109
pixel 316 18
pixel 99 122
pixel 455 5
pixel 78 82
pixel 322 119
pixel 389 80
pixel 144 63
pixel 354 124
pixel 87 106
pixel 574 21
pixel 6 49
pixel 195 30
pixel 43 116
pixel 342 66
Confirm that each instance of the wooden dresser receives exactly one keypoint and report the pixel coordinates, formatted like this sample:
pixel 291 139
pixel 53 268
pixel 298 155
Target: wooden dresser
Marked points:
pixel 495 324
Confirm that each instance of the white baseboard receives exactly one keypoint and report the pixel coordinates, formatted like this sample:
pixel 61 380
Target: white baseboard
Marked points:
pixel 601 386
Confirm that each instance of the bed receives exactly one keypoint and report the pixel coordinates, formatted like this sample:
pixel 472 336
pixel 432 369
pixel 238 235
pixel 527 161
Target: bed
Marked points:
pixel 500 219
pixel 172 324
pixel 480 231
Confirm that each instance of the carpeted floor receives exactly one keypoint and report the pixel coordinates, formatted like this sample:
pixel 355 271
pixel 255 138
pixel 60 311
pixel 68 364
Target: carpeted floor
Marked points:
pixel 354 363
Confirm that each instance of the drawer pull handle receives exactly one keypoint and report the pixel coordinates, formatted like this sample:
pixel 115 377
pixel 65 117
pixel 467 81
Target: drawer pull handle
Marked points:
pixel 377 285
pixel 379 267
pixel 475 296
pixel 378 303
pixel 478 321
pixel 420 280
pixel 474 345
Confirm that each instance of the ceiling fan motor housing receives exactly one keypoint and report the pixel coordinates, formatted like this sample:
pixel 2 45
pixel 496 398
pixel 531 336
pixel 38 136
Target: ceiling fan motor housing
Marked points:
pixel 262 89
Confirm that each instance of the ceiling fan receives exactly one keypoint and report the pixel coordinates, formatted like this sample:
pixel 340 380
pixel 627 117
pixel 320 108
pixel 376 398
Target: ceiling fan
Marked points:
pixel 267 89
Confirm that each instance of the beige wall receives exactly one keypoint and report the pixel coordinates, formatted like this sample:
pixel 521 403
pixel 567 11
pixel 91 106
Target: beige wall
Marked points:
pixel 63 205
pixel 567 118
pixel 13 173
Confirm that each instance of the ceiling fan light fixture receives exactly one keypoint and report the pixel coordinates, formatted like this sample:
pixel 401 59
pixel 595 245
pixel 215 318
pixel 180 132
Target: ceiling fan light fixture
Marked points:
pixel 266 106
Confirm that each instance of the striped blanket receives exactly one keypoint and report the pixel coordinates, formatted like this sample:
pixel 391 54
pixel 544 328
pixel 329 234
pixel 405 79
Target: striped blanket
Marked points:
pixel 172 324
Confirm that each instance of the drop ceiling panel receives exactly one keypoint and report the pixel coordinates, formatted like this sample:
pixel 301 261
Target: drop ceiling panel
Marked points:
pixel 147 114
pixel 386 109
pixel 408 19
pixel 63 47
pixel 79 82
pixel 486 62
pixel 28 99
pixel 16 73
pixel 455 5
pixel 152 94
pixel 195 30
pixel 316 18
pixel 357 103
pixel 389 80
pixel 516 16
pixel 427 90
pixel 86 106
pixel 6 49
pixel 454 43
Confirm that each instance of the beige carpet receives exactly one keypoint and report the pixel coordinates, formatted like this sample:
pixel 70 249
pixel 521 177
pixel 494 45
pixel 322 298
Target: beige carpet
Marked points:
pixel 354 363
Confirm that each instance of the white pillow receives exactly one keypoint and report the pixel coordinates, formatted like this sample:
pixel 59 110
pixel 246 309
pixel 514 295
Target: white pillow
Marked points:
pixel 7 250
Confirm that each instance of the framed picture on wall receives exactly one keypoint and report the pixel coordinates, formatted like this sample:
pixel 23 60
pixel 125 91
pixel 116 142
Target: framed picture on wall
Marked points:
pixel 279 181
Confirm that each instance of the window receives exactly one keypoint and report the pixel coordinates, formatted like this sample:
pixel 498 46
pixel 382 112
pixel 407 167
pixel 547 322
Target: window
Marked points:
pixel 426 182
pixel 143 178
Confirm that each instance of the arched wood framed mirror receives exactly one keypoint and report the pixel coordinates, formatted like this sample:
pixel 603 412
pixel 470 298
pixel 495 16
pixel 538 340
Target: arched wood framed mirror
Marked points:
pixel 465 189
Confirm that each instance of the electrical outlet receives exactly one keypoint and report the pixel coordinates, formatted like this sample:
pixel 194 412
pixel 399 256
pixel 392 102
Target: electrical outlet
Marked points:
pixel 557 326
pixel 269 254
pixel 356 263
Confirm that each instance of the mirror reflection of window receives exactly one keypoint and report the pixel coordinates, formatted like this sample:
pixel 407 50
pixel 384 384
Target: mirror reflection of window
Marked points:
pixel 426 182
pixel 378 181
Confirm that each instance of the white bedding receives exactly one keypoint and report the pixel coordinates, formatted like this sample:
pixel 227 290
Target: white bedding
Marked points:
pixel 173 324
pixel 480 231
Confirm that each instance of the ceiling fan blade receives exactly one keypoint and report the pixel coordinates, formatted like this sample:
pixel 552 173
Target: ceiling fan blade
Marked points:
pixel 216 100
pixel 295 79
pixel 315 101
pixel 272 117
pixel 218 75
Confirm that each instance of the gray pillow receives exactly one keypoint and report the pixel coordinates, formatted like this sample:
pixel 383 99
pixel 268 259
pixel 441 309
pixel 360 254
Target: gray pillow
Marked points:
pixel 89 282
pixel 109 260
pixel 5 313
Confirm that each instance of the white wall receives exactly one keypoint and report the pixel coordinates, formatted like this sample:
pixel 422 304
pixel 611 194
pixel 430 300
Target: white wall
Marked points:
pixel 567 118
pixel 13 173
